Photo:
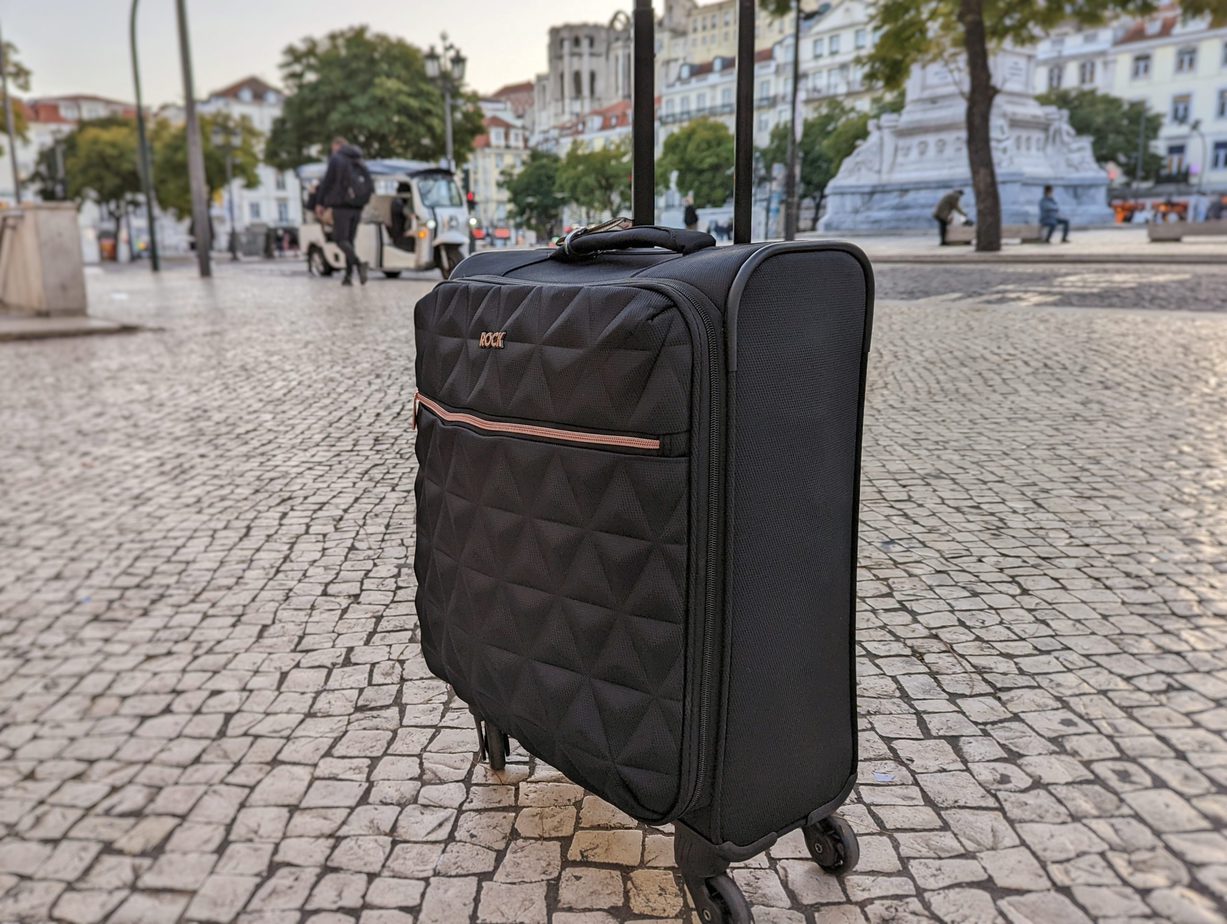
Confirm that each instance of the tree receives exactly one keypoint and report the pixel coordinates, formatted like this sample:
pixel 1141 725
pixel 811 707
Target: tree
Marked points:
pixel 1112 124
pixel 371 89
pixel 52 184
pixel 18 78
pixel 701 154
pixel 170 158
pixel 597 180
pixel 915 32
pixel 827 137
pixel 535 200
pixel 100 166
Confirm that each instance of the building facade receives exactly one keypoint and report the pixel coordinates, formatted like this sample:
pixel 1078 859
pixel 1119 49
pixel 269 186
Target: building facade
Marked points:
pixel 277 200
pixel 502 148
pixel 1176 66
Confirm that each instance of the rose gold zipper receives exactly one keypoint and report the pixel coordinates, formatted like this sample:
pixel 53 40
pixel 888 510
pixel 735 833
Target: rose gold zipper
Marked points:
pixel 545 433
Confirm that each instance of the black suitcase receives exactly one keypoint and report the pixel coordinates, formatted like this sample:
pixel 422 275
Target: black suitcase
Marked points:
pixel 637 494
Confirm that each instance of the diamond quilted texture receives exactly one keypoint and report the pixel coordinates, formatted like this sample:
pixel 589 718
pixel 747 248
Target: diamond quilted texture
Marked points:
pixel 552 595
pixel 611 358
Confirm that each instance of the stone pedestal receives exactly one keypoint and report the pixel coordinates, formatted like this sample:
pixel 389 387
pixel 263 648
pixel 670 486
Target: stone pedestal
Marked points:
pixel 41 270
pixel 895 177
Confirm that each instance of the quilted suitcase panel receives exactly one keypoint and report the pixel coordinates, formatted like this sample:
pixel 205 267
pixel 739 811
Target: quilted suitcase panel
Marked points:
pixel 555 506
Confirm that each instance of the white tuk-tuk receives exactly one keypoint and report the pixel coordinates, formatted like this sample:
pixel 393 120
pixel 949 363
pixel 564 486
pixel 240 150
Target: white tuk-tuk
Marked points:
pixel 416 219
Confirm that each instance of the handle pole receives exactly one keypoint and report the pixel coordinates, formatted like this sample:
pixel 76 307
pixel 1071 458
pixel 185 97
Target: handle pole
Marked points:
pixel 643 121
pixel 743 143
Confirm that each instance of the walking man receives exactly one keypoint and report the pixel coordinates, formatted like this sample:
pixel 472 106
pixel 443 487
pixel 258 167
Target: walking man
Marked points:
pixel 345 191
pixel 944 213
pixel 1050 217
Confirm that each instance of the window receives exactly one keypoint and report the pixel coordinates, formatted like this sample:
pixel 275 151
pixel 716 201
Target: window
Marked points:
pixel 700 102
pixel 819 45
pixel 1175 158
pixel 669 107
pixel 1219 159
pixel 861 38
pixel 283 212
pixel 1089 37
pixel 279 181
pixel 1141 67
pixel 1180 108
pixel 764 92
pixel 1086 72
pixel 1054 76
pixel 1222 104
pixel 577 78
pixel 1186 60
pixel 726 96
pixel 685 107
pixel 253 209
pixel 833 44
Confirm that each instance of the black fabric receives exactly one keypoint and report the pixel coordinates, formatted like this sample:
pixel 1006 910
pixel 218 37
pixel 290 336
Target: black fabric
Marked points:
pixel 613 359
pixel 789 743
pixel 344 230
pixel 552 596
pixel 337 188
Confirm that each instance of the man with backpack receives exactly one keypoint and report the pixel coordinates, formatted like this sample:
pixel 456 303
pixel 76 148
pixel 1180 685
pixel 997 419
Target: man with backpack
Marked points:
pixel 345 190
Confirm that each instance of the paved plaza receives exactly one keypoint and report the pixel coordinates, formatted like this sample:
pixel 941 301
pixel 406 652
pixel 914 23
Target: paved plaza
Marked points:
pixel 213 706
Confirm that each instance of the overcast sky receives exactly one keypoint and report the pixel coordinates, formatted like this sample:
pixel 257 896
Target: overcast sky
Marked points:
pixel 81 46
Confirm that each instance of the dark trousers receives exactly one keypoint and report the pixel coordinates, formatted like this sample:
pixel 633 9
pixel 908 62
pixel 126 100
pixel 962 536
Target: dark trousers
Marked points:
pixel 942 225
pixel 344 230
pixel 1050 226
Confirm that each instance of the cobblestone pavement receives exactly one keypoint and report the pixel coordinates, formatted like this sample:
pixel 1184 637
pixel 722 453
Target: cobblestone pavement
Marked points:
pixel 213 706
pixel 1176 287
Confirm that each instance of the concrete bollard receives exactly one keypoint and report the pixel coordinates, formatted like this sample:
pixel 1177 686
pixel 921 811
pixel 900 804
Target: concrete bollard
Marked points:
pixel 41 268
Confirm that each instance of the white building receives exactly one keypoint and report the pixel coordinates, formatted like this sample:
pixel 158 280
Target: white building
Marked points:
pixel 832 47
pixel 277 200
pixel 503 147
pixel 1178 67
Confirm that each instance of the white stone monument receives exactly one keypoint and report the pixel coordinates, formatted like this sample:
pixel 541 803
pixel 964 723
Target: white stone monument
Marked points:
pixel 911 159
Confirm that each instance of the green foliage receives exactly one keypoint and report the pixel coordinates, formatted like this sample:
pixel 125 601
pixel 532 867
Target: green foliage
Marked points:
pixel 169 143
pixel 100 165
pixel 1112 124
pixel 923 31
pixel 535 200
pixel 371 89
pixel 47 167
pixel 701 153
pixel 597 180
pixel 827 137
pixel 19 79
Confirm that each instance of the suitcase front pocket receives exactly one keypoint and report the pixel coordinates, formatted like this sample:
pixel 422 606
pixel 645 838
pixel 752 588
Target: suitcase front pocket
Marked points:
pixel 552 572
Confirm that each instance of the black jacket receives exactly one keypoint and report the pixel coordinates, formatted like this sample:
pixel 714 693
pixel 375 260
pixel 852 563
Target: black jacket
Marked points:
pixel 333 191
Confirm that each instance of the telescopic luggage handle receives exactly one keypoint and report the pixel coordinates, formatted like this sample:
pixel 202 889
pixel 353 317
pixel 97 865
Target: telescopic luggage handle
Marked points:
pixel 643 122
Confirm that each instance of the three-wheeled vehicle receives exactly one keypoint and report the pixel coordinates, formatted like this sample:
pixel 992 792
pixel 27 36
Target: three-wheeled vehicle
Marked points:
pixel 416 219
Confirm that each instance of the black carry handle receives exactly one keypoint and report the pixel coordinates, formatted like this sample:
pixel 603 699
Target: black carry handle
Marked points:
pixel 584 242
pixel 643 122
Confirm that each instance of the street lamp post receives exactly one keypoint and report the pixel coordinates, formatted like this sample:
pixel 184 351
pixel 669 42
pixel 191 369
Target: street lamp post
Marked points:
pixel 226 138
pixel 143 141
pixel 791 206
pixel 447 70
pixel 195 149
pixel 8 120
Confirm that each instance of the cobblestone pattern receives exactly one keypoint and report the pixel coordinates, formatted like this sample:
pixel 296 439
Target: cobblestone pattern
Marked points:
pixel 1170 288
pixel 213 706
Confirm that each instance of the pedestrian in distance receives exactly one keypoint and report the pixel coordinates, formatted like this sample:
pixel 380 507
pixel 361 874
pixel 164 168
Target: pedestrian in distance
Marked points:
pixel 1216 208
pixel 944 213
pixel 690 216
pixel 1050 217
pixel 345 190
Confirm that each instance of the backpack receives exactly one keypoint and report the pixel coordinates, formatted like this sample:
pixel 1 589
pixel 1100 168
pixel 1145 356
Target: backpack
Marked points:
pixel 361 187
